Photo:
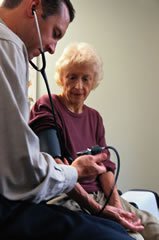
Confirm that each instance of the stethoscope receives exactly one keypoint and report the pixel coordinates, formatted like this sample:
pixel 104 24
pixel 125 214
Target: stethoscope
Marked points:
pixel 43 68
pixel 43 73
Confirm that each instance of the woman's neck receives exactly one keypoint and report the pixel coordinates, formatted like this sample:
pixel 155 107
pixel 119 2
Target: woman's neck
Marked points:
pixel 75 108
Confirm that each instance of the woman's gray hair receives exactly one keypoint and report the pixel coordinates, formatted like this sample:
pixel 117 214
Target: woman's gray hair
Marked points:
pixel 79 53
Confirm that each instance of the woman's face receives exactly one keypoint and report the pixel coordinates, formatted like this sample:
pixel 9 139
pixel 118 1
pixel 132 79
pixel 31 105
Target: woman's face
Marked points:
pixel 77 82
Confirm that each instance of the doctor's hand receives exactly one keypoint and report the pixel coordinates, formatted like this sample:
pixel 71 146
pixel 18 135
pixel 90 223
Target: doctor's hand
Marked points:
pixel 59 161
pixel 126 219
pixel 89 166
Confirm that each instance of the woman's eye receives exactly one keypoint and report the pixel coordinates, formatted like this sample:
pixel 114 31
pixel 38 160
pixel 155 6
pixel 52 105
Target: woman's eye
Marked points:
pixel 86 78
pixel 71 77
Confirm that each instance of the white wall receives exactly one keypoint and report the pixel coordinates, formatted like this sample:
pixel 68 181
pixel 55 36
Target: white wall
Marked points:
pixel 126 35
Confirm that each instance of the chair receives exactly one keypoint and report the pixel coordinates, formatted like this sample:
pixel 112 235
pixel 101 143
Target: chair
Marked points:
pixel 146 200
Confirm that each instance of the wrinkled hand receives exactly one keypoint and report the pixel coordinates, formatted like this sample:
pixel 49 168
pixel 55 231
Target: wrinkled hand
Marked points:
pixel 89 166
pixel 126 219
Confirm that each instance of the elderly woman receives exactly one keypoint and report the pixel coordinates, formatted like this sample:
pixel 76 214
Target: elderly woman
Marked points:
pixel 78 72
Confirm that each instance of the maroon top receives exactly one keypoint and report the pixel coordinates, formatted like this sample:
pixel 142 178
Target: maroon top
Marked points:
pixel 80 131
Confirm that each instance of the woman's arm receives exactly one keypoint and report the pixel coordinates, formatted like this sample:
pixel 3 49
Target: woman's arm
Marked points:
pixel 126 219
pixel 85 201
pixel 107 181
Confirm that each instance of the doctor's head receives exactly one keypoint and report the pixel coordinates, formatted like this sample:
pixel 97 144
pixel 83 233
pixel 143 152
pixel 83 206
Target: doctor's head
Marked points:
pixel 53 16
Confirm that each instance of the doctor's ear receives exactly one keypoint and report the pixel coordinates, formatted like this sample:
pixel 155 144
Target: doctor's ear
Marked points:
pixel 33 9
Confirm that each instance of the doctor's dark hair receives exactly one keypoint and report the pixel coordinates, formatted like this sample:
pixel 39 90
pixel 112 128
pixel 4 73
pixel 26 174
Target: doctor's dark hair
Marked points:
pixel 50 7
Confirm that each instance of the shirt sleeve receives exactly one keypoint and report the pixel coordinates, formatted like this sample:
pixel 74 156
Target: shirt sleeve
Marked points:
pixel 41 116
pixel 26 173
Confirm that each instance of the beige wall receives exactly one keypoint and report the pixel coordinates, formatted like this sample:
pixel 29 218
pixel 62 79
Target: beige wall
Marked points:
pixel 126 35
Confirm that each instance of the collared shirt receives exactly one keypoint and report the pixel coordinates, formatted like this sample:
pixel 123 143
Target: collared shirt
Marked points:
pixel 25 172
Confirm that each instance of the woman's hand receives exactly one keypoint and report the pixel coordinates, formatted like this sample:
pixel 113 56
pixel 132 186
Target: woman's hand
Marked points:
pixel 126 219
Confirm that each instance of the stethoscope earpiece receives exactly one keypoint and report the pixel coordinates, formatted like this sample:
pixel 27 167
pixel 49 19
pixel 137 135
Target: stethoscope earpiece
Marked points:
pixel 33 9
pixel 37 27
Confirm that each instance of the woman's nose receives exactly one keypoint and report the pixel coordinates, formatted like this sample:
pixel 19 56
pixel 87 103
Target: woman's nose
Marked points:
pixel 79 84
